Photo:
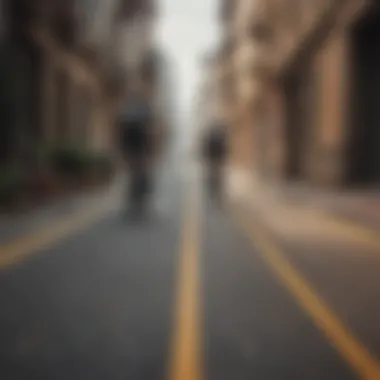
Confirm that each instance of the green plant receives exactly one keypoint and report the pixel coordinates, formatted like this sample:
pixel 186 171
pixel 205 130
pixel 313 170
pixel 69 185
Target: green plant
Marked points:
pixel 70 161
pixel 81 164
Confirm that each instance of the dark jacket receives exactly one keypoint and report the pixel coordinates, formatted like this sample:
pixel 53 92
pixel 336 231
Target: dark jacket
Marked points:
pixel 135 125
pixel 215 146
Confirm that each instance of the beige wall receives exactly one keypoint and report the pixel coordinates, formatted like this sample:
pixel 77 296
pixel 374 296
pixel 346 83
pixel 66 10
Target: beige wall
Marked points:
pixel 81 82
pixel 327 162
pixel 324 157
pixel 134 39
pixel 246 86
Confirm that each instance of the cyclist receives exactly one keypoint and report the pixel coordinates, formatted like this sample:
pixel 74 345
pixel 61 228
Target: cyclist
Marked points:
pixel 137 139
pixel 215 152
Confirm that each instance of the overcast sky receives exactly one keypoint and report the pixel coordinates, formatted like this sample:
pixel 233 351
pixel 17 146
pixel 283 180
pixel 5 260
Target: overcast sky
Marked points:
pixel 187 29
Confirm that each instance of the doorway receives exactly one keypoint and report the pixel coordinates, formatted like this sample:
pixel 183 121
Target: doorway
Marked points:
pixel 296 123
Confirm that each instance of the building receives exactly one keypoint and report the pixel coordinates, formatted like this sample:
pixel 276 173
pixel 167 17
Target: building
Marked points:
pixel 167 92
pixel 314 115
pixel 239 85
pixel 209 103
pixel 65 65
pixel 163 92
pixel 95 72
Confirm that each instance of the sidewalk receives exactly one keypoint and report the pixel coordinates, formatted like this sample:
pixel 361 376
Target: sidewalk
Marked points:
pixel 331 264
pixel 16 225
pixel 360 207
pixel 302 214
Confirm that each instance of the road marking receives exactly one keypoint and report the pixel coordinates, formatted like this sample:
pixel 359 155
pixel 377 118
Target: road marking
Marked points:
pixel 358 357
pixel 24 247
pixel 185 356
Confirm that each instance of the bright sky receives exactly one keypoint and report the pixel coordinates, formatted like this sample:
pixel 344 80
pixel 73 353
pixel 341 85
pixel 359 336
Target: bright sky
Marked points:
pixel 187 30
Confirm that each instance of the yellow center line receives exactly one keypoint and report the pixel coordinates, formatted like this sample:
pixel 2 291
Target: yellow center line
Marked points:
pixel 24 247
pixel 358 357
pixel 185 356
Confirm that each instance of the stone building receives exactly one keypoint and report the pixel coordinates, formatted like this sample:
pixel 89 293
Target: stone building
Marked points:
pixel 209 105
pixel 67 63
pixel 93 73
pixel 239 83
pixel 315 113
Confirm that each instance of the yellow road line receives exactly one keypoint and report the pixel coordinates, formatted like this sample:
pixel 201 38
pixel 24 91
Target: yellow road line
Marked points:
pixel 185 356
pixel 358 357
pixel 22 248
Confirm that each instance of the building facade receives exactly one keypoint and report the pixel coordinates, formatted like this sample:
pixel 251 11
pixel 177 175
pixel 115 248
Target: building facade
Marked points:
pixel 209 105
pixel 66 66
pixel 239 86
pixel 314 114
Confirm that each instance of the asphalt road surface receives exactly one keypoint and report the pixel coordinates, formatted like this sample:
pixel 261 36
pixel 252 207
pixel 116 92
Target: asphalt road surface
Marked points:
pixel 181 295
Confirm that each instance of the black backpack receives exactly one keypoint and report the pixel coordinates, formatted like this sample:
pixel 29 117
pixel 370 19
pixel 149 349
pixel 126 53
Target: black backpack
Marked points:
pixel 217 144
pixel 135 125
pixel 135 136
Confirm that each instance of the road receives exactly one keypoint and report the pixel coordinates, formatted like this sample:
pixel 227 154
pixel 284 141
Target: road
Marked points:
pixel 185 294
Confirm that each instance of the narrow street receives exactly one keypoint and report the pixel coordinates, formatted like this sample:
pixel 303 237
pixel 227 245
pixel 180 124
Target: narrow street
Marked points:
pixel 279 280
pixel 183 295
